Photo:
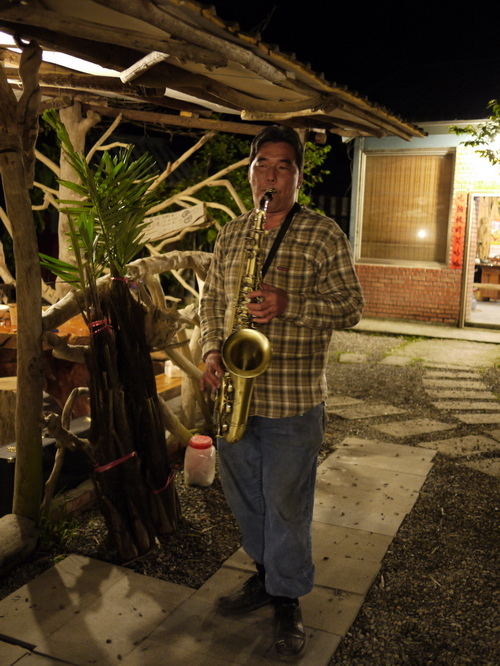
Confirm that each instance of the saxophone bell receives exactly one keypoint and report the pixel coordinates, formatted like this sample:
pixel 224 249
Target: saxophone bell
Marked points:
pixel 247 353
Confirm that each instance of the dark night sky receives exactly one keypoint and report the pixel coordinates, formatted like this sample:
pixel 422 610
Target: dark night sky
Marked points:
pixel 422 61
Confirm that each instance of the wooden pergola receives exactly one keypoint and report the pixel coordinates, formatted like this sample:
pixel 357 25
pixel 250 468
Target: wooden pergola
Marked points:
pixel 175 62
pixel 167 62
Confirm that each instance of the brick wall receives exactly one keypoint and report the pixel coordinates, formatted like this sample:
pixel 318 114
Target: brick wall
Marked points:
pixel 416 294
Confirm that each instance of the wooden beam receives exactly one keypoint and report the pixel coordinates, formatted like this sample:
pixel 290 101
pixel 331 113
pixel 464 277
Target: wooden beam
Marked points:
pixel 161 18
pixel 107 55
pixel 177 121
pixel 98 32
pixel 66 96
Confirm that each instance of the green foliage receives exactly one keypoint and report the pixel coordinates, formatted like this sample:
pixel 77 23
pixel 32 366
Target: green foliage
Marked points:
pixel 56 535
pixel 484 134
pixel 106 220
pixel 314 157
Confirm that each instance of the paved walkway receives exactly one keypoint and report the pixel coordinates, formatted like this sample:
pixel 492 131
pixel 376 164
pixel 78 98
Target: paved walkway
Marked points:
pixel 85 611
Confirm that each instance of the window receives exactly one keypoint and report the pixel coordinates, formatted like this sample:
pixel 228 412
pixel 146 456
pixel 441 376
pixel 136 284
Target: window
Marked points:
pixel 406 207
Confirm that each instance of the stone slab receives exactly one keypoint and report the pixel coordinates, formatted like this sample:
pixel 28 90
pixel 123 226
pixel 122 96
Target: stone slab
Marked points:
pixel 459 352
pixel 351 357
pixel 381 455
pixel 413 427
pixel 52 599
pixel 461 394
pixel 396 360
pixel 345 558
pixel 35 659
pixel 11 654
pixel 493 433
pixel 454 384
pixel 446 366
pixel 196 634
pixel 378 510
pixel 489 466
pixel 370 485
pixel 473 419
pixel 341 401
pixel 452 374
pixel 469 404
pixel 107 610
pixel 463 445
pixel 365 411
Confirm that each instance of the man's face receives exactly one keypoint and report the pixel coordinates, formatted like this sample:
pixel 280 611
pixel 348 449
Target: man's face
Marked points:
pixel 274 166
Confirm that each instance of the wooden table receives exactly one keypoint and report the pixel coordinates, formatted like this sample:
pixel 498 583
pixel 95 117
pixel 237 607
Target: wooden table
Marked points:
pixel 61 377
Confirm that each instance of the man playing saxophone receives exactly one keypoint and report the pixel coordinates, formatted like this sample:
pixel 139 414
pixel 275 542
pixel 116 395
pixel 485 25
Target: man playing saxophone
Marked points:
pixel 310 289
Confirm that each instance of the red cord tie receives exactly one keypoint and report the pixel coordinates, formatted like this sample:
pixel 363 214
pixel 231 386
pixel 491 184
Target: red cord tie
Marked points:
pixel 104 468
pixel 100 325
pixel 126 279
pixel 169 480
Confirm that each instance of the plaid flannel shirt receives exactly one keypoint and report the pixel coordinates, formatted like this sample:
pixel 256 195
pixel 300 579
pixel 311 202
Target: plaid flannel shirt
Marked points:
pixel 314 266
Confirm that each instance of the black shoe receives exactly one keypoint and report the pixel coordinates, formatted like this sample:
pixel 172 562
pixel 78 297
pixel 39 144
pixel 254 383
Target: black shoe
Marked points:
pixel 289 634
pixel 252 595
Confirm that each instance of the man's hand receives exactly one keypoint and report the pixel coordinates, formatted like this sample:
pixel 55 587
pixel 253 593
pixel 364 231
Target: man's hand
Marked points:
pixel 214 370
pixel 271 302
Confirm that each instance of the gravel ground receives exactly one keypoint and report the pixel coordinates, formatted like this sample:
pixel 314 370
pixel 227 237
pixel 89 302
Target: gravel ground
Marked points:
pixel 436 598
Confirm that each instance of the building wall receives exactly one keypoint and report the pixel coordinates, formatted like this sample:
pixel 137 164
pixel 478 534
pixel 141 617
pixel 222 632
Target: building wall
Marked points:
pixel 425 293
pixel 416 294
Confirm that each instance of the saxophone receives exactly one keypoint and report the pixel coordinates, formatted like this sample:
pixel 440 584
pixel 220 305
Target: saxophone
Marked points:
pixel 246 352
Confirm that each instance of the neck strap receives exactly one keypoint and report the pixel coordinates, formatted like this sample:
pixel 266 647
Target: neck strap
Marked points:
pixel 279 237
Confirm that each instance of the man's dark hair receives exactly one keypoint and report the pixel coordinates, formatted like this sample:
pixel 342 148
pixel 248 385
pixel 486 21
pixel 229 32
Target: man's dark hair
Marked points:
pixel 279 134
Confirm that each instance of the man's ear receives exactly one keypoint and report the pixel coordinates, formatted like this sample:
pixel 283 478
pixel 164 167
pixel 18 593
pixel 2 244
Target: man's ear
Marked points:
pixel 300 180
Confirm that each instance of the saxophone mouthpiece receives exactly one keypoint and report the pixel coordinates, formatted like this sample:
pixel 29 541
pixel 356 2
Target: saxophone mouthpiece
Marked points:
pixel 268 195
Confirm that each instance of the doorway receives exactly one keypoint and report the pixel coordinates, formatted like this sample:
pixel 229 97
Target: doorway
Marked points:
pixel 481 293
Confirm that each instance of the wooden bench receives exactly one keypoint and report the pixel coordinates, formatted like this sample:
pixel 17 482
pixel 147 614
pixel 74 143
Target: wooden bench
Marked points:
pixel 168 387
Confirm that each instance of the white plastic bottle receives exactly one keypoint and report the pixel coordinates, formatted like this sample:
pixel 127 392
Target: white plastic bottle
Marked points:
pixel 199 461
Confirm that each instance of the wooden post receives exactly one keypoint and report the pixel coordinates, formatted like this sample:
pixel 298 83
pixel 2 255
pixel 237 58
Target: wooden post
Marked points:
pixel 18 129
pixel 77 127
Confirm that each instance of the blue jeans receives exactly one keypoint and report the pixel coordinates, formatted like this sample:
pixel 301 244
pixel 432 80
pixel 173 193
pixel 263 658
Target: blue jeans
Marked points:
pixel 268 479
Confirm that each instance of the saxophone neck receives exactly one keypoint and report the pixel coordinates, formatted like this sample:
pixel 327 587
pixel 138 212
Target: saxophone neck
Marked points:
pixel 266 198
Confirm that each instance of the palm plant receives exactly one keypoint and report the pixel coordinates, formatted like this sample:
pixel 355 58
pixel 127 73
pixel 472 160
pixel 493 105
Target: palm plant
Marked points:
pixel 132 473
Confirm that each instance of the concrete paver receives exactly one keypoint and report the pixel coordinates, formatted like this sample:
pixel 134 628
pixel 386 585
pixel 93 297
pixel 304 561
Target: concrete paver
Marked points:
pixel 489 466
pixel 341 401
pixel 459 354
pixel 453 374
pixel 345 558
pixel 472 418
pixel 394 359
pixel 464 405
pixel 493 433
pixel 382 455
pixel 455 384
pixel 348 357
pixel 463 445
pixel 365 410
pixel 412 427
pixel 461 394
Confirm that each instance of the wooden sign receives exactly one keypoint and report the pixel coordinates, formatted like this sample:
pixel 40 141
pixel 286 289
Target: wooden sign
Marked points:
pixel 169 224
